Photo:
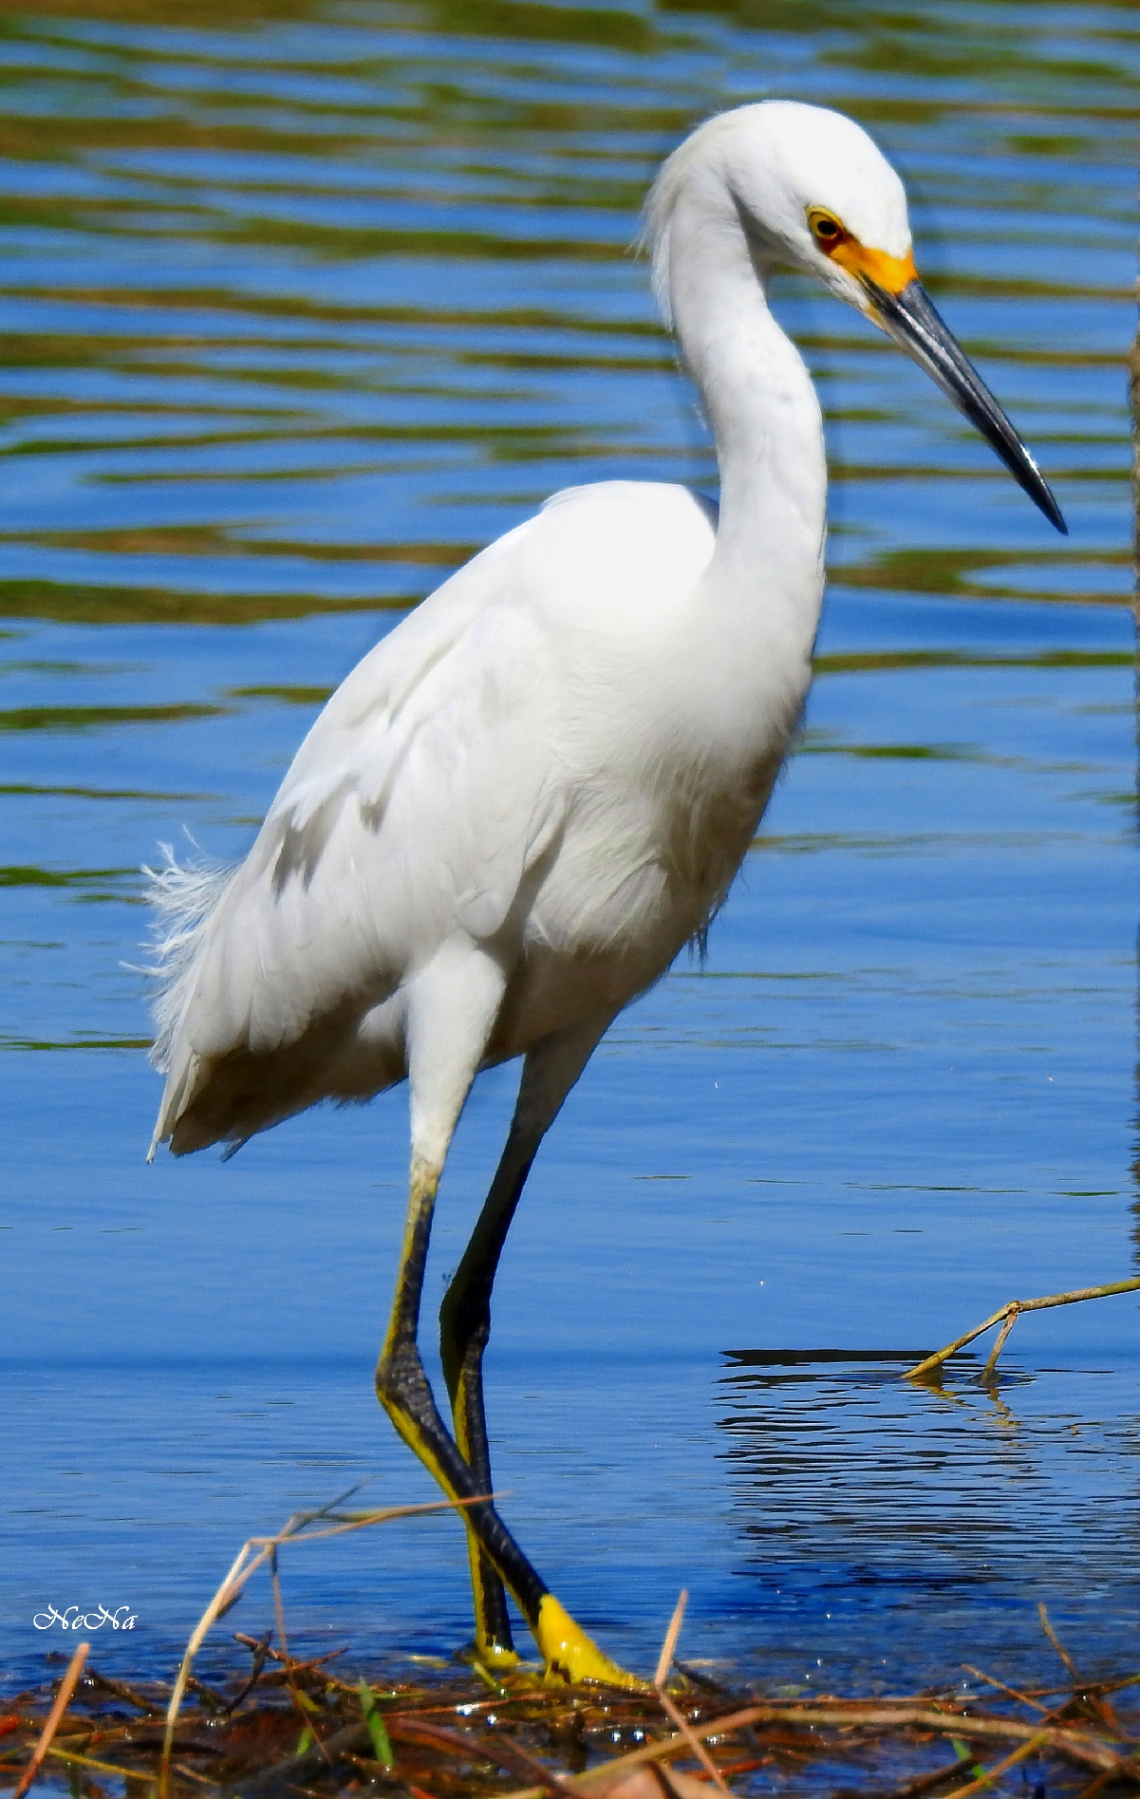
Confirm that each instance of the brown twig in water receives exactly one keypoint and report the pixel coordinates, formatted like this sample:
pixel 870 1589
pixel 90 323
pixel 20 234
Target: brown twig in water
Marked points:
pixel 1013 1693
pixel 1113 1686
pixel 311 1664
pixel 120 1690
pixel 1093 1701
pixel 1007 1317
pixel 189 1774
pixel 87 1761
pixel 213 1700
pixel 987 1373
pixel 1047 1627
pixel 664 1663
pixel 279 1607
pixel 669 1646
pixel 925 1783
pixel 677 1718
pixel 260 1654
pixel 1097 1784
pixel 67 1687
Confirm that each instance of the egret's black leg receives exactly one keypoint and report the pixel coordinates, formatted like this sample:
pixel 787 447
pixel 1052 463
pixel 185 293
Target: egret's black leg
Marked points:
pixel 406 1395
pixel 465 1325
pixel 442 1067
pixel 549 1072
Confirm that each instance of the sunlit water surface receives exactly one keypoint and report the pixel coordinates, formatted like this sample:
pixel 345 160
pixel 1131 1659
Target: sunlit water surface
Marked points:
pixel 300 304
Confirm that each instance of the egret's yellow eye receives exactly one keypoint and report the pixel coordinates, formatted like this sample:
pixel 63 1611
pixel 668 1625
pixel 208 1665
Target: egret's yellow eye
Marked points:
pixel 827 230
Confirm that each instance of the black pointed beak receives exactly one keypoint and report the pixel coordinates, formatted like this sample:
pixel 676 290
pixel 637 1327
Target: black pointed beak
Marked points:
pixel 910 317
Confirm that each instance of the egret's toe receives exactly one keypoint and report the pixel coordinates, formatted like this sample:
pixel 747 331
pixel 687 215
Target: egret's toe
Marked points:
pixel 572 1656
pixel 497 1658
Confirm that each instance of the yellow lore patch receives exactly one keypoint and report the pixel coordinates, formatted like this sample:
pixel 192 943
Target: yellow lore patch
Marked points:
pixel 891 273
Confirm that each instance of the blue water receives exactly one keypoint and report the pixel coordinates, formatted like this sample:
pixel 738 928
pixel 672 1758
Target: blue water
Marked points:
pixel 300 308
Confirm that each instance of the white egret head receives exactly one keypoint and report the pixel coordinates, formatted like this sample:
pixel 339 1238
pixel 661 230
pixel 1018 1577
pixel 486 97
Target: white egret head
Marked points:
pixel 807 186
pixel 812 189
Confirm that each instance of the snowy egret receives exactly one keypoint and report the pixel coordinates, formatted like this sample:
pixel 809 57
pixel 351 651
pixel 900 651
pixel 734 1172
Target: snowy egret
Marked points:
pixel 528 797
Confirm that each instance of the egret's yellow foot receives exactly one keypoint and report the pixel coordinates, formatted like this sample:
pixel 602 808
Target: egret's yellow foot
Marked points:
pixel 570 1655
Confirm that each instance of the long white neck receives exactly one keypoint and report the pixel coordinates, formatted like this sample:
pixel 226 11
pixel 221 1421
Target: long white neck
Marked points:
pixel 764 415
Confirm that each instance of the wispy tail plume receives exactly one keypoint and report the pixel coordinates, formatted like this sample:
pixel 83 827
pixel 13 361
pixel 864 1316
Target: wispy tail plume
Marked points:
pixel 184 897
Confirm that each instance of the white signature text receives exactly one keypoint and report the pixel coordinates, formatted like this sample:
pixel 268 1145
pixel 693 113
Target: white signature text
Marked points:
pixel 71 1618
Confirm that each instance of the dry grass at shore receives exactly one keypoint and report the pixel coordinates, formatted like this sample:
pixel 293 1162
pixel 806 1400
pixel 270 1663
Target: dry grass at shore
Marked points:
pixel 284 1726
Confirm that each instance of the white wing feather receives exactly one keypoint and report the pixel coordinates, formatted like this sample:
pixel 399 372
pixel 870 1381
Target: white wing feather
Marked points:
pixel 428 786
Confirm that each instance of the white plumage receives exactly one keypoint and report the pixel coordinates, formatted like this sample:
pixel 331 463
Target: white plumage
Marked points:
pixel 515 811
pixel 521 764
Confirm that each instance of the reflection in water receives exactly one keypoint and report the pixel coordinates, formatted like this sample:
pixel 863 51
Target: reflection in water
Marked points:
pixel 855 1490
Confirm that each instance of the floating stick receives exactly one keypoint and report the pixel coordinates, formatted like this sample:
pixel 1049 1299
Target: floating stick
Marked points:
pixel 1007 1317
